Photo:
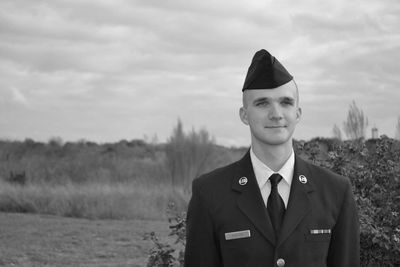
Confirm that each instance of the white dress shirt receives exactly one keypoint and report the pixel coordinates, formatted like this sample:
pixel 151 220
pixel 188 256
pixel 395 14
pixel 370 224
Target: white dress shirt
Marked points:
pixel 263 172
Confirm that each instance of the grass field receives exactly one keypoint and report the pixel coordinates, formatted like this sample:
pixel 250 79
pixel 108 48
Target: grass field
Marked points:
pixel 93 200
pixel 46 240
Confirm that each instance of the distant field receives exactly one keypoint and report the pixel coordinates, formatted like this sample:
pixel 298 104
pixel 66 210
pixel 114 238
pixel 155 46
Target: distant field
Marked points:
pixel 93 200
pixel 44 240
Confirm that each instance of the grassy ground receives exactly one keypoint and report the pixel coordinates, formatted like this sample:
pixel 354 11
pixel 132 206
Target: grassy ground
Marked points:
pixel 45 240
pixel 93 200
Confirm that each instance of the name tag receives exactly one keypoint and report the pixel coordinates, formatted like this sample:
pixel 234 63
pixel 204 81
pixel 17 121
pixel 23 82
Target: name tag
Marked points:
pixel 237 235
pixel 320 231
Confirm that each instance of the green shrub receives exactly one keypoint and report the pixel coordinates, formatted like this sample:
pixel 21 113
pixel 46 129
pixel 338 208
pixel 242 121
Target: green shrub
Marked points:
pixel 169 253
pixel 373 167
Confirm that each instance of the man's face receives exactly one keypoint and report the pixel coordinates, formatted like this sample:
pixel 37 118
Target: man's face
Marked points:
pixel 272 114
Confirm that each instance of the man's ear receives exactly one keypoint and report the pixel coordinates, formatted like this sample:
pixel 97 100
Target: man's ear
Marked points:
pixel 243 115
pixel 298 114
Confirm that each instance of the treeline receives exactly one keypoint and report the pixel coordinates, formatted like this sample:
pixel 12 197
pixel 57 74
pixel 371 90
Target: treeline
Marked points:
pixel 124 180
pixel 81 162
pixel 177 162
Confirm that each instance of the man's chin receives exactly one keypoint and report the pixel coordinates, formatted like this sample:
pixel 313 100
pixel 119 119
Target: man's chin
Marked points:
pixel 276 140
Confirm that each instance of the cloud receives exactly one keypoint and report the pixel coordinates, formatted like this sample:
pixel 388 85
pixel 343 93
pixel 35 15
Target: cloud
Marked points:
pixel 18 97
pixel 121 69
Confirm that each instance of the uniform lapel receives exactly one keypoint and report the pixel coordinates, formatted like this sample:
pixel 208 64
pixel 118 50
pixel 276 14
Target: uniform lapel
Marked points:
pixel 299 204
pixel 250 201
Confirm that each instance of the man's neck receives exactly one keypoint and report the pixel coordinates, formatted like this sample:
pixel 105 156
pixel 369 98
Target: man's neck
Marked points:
pixel 273 156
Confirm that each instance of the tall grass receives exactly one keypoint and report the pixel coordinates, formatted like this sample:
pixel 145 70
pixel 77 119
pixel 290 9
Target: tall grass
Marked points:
pixel 93 200
pixel 124 180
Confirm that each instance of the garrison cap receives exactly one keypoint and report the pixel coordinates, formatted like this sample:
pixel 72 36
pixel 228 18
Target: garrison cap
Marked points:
pixel 265 72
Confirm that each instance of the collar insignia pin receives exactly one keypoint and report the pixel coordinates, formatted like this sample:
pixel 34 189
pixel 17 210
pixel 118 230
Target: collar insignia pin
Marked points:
pixel 243 180
pixel 303 179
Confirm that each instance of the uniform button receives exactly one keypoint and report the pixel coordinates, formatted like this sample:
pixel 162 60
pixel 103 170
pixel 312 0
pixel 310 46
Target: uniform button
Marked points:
pixel 280 262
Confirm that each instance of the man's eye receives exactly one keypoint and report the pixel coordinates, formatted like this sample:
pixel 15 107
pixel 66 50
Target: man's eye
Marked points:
pixel 261 104
pixel 287 103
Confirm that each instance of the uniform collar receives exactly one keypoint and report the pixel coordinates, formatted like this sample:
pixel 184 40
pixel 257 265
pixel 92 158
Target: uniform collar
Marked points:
pixel 263 172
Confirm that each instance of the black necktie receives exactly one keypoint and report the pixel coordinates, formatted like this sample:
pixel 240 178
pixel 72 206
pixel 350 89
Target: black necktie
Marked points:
pixel 275 205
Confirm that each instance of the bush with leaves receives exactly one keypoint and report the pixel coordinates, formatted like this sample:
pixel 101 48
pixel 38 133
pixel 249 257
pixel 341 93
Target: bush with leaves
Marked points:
pixel 169 254
pixel 373 167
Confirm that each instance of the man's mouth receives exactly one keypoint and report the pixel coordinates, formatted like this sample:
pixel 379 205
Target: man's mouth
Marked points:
pixel 276 126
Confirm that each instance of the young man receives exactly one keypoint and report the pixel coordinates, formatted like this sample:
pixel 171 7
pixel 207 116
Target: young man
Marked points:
pixel 271 208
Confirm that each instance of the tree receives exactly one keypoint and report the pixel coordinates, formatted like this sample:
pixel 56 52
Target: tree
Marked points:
pixel 356 124
pixel 337 133
pixel 397 133
pixel 187 154
pixel 56 142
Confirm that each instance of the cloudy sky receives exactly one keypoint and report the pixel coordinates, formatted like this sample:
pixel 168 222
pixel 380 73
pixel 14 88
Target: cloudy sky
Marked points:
pixel 110 70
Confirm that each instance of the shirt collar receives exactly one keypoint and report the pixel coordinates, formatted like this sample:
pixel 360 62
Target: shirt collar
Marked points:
pixel 263 172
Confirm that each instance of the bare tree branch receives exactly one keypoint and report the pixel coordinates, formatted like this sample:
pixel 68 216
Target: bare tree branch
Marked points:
pixel 356 124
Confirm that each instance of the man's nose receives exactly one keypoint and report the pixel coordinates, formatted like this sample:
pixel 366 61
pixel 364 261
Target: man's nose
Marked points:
pixel 275 113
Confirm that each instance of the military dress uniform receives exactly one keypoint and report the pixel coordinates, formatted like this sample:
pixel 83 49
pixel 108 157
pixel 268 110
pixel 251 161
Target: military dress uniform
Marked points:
pixel 229 223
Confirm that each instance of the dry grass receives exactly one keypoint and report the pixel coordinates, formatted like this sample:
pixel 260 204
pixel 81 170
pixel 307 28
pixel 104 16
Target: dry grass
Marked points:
pixel 93 201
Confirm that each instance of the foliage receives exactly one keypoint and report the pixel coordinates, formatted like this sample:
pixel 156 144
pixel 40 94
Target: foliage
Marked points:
pixel 356 123
pixel 337 133
pixel 373 167
pixel 122 180
pixel 397 133
pixel 81 162
pixel 165 254
pixel 92 200
pixel 185 156
pixel 188 155
pixel 17 178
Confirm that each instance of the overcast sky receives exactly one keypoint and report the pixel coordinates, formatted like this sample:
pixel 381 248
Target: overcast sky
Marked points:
pixel 110 70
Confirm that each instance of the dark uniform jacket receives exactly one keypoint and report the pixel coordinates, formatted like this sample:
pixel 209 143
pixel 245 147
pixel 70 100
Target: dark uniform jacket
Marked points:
pixel 228 224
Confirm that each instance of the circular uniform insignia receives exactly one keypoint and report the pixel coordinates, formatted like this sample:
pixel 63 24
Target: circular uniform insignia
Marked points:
pixel 243 181
pixel 302 179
